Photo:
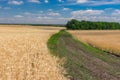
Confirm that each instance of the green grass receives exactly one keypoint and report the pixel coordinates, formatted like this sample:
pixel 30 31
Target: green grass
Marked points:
pixel 53 43
pixel 71 66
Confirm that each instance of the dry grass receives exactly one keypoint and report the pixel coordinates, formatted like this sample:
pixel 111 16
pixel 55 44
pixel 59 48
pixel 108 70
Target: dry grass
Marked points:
pixel 24 54
pixel 108 40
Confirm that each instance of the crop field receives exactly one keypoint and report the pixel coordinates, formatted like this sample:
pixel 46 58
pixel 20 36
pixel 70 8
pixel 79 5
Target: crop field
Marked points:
pixel 24 54
pixel 34 53
pixel 106 40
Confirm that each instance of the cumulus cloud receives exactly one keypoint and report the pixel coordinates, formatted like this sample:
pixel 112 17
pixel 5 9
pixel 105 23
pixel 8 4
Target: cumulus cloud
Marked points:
pixel 107 2
pixel 40 14
pixel 86 12
pixel 53 14
pixel 5 8
pixel 51 17
pixel 14 2
pixel 50 9
pixel 46 1
pixel 60 0
pixel 93 2
pixel 34 1
pixel 32 15
pixel 44 17
pixel 82 1
pixel 97 15
pixel 18 16
pixel 116 12
pixel 66 9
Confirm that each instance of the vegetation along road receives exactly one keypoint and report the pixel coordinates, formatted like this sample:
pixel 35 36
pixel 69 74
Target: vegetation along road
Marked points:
pixel 83 62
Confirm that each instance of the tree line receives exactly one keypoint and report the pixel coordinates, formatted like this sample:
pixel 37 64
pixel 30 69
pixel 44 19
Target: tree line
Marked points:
pixel 88 25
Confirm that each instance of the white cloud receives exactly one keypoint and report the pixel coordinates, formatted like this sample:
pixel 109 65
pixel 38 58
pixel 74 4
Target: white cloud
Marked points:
pixel 103 2
pixel 41 14
pixel 66 9
pixel 82 1
pixel 41 11
pixel 46 1
pixel 90 15
pixel 35 20
pixel 53 14
pixel 18 16
pixel 97 15
pixel 60 0
pixel 93 2
pixel 6 8
pixel 116 12
pixel 54 17
pixel 44 17
pixel 34 1
pixel 51 20
pixel 50 9
pixel 15 2
pixel 29 14
pixel 63 20
pixel 86 12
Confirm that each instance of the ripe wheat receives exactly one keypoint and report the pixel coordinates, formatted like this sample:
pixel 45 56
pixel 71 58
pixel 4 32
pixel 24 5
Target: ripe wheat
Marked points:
pixel 107 40
pixel 24 54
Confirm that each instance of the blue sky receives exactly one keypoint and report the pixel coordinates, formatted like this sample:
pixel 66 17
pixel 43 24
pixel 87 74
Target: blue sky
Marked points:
pixel 58 11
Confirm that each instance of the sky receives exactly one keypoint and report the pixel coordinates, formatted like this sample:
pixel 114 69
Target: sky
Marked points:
pixel 58 11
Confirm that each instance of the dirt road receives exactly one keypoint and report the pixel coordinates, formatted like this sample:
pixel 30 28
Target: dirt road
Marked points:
pixel 85 62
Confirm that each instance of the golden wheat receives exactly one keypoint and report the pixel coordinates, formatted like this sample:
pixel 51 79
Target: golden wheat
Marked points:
pixel 108 40
pixel 24 54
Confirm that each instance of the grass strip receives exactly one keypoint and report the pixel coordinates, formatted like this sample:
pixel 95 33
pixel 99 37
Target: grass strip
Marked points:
pixel 71 65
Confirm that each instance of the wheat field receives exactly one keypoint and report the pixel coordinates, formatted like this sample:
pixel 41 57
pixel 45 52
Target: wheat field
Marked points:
pixel 24 54
pixel 107 40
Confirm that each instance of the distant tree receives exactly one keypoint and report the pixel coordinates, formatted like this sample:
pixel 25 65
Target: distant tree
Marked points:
pixel 88 25
pixel 73 24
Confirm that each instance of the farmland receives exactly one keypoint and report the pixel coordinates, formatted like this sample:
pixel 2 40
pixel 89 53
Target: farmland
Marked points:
pixel 106 40
pixel 59 39
pixel 49 53
pixel 24 54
